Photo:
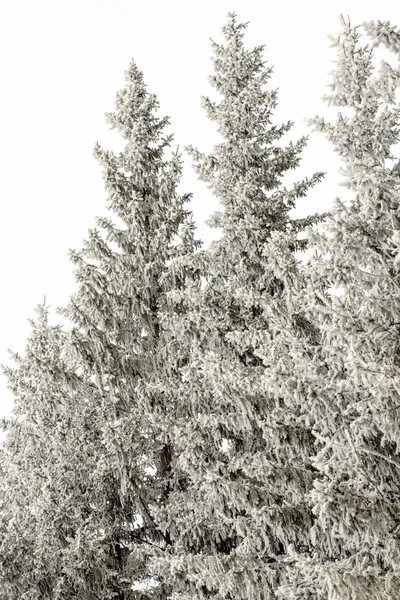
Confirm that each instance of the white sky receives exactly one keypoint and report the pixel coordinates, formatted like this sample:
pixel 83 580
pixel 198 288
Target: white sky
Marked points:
pixel 61 62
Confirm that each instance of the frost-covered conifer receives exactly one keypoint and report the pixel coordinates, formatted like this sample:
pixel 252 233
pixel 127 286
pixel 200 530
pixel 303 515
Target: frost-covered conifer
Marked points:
pixel 124 275
pixel 119 350
pixel 355 378
pixel 53 541
pixel 242 449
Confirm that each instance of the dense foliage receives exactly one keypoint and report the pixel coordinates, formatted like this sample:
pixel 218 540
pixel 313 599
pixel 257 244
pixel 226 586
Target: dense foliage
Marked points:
pixel 355 405
pixel 244 454
pixel 221 423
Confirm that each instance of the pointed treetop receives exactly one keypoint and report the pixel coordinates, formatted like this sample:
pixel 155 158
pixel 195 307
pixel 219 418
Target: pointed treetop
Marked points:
pixel 237 69
pixel 248 162
pixel 135 106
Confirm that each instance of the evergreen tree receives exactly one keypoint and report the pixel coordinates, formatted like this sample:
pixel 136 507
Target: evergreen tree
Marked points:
pixel 241 468
pixel 53 544
pixel 119 352
pixel 355 377
pixel 124 277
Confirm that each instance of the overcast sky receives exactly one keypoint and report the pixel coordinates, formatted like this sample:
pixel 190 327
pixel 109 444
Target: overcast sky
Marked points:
pixel 62 62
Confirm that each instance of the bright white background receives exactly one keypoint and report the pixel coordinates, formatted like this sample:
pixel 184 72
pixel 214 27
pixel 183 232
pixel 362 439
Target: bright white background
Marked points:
pixel 61 62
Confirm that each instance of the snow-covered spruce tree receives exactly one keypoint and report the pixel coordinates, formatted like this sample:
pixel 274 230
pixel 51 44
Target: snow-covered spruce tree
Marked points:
pixel 96 405
pixel 124 275
pixel 241 467
pixel 356 405
pixel 52 544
